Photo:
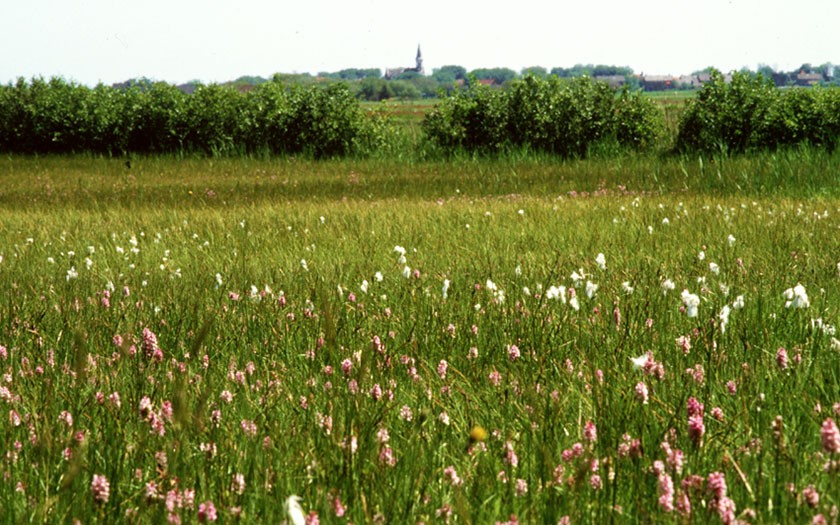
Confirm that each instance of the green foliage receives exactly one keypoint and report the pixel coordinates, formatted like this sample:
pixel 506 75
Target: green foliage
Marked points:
pixel 725 116
pixel 750 113
pixel 499 75
pixel 242 397
pixel 543 114
pixel 449 74
pixel 59 117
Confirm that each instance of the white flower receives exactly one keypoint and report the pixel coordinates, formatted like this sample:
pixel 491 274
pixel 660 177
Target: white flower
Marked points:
pixel 49 260
pixel 796 297
pixel 639 362
pixel 730 240
pixel 72 273
pixel 294 511
pixel 691 302
pixel 399 249
pixel 491 285
pixel 724 318
pixel 303 265
pixel 601 261
pixel 526 291
pixel 701 255
pixel 738 303
pixel 518 270
pixel 835 344
pixel 378 277
pixel 667 285
pixel 555 292
pixel 218 280
pixel 627 288
pixel 591 288
pixel 573 302
pixel 714 268
pixel 665 221
pixel 445 289
pixel 577 277
pixel 364 286
pixel 521 212
pixel 406 272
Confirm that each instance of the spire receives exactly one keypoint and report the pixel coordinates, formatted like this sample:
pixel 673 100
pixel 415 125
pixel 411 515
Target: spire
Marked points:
pixel 419 60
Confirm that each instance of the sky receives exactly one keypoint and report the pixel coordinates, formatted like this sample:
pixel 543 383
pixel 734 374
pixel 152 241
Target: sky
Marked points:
pixel 108 41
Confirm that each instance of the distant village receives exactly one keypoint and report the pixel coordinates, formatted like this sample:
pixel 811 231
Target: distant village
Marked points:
pixel 412 82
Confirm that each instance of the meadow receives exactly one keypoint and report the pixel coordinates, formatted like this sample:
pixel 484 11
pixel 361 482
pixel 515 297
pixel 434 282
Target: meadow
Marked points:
pixel 639 338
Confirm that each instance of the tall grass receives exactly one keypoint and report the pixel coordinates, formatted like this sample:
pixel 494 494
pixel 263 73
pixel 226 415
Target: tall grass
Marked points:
pixel 284 365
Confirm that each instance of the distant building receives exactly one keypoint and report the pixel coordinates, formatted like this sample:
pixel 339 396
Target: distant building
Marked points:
pixel 657 82
pixel 614 81
pixel 808 79
pixel 397 71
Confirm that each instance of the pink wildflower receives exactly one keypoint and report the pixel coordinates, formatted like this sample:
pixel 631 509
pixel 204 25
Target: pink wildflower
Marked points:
pixel 830 435
pixel 513 352
pixel 590 433
pixel 666 492
pixel 696 428
pixel 642 392
pixel 101 488
pixel 441 369
pixel 206 512
pixel 782 358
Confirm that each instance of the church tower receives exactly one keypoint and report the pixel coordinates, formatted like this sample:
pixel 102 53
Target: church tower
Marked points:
pixel 419 59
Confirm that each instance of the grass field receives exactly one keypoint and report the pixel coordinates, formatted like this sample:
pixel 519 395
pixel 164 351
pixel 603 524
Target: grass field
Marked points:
pixel 634 339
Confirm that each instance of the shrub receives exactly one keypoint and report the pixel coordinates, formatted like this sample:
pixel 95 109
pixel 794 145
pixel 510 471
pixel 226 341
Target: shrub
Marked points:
pixel 61 117
pixel 751 113
pixel 543 114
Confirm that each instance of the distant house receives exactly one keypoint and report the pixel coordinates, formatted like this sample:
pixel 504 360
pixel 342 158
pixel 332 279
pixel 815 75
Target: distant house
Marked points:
pixel 397 71
pixel 614 81
pixel 657 82
pixel 808 79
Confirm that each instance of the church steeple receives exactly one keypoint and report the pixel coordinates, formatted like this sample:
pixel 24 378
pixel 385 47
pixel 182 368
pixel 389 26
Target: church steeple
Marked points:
pixel 419 60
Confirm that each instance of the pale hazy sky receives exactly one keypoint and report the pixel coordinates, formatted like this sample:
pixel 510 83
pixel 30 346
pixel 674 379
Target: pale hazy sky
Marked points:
pixel 90 41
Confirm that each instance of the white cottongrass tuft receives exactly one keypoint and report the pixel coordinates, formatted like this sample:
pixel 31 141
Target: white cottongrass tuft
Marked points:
pixel 445 289
pixel 667 286
pixel 691 302
pixel 738 303
pixel 556 292
pixel 601 261
pixel 639 362
pixel 627 288
pixel 796 297
pixel 591 288
pixel 723 316
pixel 294 510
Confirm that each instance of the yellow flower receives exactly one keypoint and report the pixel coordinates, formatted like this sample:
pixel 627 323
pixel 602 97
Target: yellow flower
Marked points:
pixel 477 434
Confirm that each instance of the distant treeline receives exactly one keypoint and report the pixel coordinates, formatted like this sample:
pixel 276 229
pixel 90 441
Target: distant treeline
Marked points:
pixel 568 117
pixel 370 84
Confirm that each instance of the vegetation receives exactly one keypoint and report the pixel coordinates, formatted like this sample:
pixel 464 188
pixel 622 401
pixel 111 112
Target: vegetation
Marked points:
pixel 619 339
pixel 750 113
pixel 59 117
pixel 543 114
